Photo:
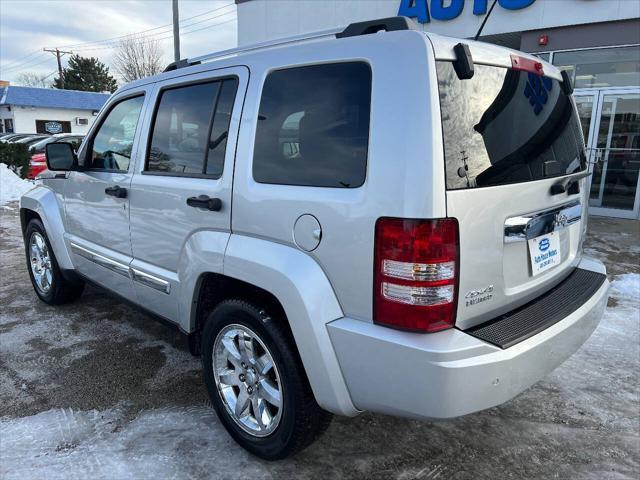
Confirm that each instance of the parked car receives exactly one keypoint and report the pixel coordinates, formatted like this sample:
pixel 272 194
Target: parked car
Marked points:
pixel 74 138
pixel 15 137
pixel 329 242
pixel 38 163
pixel 31 140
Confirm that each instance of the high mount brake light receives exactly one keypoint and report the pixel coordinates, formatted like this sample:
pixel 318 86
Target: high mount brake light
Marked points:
pixel 416 273
pixel 526 65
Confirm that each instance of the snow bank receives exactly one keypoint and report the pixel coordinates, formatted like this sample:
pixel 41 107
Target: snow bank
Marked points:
pixel 11 185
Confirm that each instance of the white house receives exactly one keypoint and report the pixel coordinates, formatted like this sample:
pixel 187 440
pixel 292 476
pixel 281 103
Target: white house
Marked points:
pixel 48 110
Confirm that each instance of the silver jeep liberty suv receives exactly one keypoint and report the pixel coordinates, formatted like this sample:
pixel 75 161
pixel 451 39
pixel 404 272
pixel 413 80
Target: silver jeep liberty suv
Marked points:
pixel 373 219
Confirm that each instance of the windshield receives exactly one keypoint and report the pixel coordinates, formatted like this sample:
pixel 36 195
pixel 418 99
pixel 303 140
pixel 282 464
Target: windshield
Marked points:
pixel 506 126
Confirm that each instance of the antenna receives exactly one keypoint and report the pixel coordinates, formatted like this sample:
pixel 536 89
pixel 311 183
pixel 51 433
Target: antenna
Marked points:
pixel 485 20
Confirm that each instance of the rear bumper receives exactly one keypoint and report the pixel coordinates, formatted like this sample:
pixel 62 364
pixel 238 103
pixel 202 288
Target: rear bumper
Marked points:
pixel 451 373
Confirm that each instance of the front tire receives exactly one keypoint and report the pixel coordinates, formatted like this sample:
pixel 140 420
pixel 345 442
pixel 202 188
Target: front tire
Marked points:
pixel 46 277
pixel 256 381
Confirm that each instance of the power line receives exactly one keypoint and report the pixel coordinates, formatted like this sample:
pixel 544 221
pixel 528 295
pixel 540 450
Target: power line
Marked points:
pixel 113 39
pixel 38 56
pixel 59 54
pixel 148 40
pixel 144 38
pixel 28 64
pixel 21 64
pixel 23 59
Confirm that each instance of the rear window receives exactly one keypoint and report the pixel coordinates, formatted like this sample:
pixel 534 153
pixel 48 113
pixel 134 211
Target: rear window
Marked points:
pixel 313 126
pixel 506 126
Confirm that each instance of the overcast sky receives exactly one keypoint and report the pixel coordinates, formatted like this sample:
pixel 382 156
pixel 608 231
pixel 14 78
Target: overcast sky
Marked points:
pixel 27 26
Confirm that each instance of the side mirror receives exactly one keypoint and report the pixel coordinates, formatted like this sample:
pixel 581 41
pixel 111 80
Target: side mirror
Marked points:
pixel 60 156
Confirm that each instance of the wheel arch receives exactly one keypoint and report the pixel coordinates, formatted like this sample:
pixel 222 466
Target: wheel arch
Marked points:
pixel 42 203
pixel 293 284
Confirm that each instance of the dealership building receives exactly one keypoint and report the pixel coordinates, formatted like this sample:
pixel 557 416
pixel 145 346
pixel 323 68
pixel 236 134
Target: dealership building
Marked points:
pixel 47 110
pixel 596 41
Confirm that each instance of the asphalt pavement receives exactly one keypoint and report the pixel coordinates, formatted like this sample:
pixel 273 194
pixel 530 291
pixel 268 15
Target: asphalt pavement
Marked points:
pixel 97 389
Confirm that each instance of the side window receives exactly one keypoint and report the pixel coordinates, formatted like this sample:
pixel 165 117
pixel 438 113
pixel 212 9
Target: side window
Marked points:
pixel 190 129
pixel 112 144
pixel 313 126
pixel 220 128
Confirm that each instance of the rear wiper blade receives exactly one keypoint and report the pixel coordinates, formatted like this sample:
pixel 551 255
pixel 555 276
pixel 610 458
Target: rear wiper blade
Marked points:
pixel 569 183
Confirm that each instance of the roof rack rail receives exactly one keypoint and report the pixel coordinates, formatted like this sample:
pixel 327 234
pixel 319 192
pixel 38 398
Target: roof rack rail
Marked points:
pixel 389 24
pixel 187 62
pixel 184 62
pixel 354 29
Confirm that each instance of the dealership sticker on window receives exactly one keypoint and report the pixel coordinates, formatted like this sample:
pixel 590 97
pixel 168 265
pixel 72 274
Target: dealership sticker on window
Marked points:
pixel 544 252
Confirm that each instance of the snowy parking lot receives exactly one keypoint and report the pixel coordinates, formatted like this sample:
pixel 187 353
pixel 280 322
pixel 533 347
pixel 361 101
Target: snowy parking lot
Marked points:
pixel 98 390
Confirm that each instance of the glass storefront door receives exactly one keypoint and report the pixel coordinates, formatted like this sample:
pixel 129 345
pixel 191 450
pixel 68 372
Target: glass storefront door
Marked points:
pixel 611 126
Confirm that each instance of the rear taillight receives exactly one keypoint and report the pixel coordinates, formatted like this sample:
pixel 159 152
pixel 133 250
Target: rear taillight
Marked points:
pixel 416 273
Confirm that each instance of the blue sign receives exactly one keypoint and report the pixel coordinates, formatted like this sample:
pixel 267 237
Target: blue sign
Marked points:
pixel 420 10
pixel 53 127
pixel 537 91
pixel 544 244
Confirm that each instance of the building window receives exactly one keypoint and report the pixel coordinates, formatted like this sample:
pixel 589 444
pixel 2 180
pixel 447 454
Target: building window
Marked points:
pixel 601 67
pixel 543 56
pixel 313 126
pixel 8 125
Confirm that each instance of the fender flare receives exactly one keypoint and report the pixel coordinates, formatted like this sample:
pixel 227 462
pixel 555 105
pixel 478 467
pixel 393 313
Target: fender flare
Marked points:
pixel 309 302
pixel 44 202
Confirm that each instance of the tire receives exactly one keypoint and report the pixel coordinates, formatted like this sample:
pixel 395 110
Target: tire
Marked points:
pixel 56 290
pixel 299 420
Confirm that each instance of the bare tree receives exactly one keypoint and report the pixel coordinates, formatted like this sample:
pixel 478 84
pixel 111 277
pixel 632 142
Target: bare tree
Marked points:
pixel 33 79
pixel 137 57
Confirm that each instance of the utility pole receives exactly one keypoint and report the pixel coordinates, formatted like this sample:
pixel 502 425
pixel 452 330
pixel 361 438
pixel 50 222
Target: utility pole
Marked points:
pixel 176 31
pixel 59 54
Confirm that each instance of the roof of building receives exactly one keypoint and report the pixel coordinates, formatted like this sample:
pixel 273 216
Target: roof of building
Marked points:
pixel 52 98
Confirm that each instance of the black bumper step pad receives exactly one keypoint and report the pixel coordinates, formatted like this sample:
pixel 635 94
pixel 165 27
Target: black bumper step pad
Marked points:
pixel 539 314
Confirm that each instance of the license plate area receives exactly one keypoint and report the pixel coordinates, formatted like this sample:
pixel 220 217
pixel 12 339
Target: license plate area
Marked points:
pixel 544 252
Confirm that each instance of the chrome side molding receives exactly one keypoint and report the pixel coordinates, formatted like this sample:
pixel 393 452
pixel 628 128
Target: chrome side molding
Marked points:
pixel 150 280
pixel 525 227
pixel 122 269
pixel 119 268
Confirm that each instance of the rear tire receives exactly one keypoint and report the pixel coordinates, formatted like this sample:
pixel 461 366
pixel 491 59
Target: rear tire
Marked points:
pixel 279 431
pixel 46 277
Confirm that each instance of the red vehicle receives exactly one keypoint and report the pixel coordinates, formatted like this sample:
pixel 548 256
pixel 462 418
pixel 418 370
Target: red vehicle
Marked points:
pixel 38 163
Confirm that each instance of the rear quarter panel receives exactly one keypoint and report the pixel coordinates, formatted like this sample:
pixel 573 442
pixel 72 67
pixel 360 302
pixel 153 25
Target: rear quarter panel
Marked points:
pixel 402 178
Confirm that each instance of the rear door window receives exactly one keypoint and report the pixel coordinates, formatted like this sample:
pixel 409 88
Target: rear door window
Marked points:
pixel 313 126
pixel 190 129
pixel 505 126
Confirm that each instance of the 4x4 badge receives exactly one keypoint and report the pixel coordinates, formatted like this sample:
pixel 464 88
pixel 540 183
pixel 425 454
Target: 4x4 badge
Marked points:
pixel 478 296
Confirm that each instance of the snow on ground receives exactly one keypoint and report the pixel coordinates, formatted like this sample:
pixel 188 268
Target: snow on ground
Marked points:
pixel 162 443
pixel 170 442
pixel 11 185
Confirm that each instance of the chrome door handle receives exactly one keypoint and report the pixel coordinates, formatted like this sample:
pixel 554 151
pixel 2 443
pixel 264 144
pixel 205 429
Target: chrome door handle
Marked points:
pixel 526 227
